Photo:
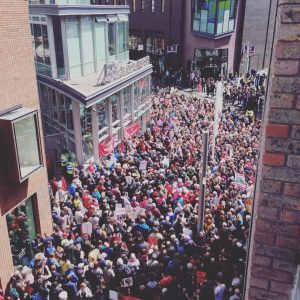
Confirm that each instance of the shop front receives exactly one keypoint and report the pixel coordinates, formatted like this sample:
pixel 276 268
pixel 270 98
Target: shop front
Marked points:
pixel 211 62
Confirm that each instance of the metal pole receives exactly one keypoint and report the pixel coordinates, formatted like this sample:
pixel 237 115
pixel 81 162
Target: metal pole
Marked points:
pixel 267 35
pixel 202 181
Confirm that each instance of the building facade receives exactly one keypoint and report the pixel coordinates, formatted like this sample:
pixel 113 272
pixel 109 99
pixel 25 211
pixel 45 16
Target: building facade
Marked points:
pixel 156 29
pixel 258 32
pixel 193 34
pixel 24 200
pixel 212 36
pixel 274 256
pixel 90 91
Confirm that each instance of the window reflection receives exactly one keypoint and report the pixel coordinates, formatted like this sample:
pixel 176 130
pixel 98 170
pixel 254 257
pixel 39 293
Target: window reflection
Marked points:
pixel 112 38
pixel 21 229
pixel 115 107
pixel 27 143
pixel 214 16
pixel 41 52
pixel 86 131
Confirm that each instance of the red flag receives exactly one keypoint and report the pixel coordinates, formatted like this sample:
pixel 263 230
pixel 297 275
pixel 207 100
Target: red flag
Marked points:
pixel 122 146
pixel 63 183
pixel 131 130
pixel 106 148
pixel 91 168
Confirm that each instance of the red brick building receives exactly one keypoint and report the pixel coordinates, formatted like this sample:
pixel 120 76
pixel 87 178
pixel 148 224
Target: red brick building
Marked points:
pixel 24 201
pixel 275 243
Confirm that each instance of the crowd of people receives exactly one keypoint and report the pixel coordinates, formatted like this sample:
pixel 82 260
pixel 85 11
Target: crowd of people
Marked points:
pixel 127 227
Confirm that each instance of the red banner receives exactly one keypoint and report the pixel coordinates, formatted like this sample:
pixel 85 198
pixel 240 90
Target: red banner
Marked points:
pixel 131 130
pixel 106 148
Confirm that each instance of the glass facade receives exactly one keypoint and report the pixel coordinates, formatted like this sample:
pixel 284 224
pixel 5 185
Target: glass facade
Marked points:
pixel 86 131
pixel 122 40
pixel 21 231
pixel 155 45
pixel 214 17
pixel 41 51
pixel 57 116
pixel 27 144
pixel 88 40
pixel 102 112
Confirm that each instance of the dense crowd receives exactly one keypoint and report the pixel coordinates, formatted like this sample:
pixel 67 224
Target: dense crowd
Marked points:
pixel 129 225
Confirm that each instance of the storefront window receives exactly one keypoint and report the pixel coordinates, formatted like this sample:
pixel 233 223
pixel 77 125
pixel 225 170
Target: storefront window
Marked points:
pixel 115 107
pixel 136 96
pixel 212 63
pixel 102 112
pixel 155 46
pixel 86 131
pixel 214 16
pixel 126 99
pixel 21 231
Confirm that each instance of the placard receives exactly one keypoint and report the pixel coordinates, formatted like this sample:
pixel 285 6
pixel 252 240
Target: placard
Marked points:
pixel 86 228
pixel 127 282
pixel 143 165
pixel 113 295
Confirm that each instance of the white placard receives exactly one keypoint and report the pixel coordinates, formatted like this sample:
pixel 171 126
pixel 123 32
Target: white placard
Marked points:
pixel 113 295
pixel 143 165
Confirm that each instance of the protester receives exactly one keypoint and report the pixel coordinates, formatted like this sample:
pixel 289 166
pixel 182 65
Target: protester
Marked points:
pixel 131 227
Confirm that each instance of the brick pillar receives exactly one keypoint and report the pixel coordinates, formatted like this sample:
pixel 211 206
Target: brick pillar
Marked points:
pixel 275 242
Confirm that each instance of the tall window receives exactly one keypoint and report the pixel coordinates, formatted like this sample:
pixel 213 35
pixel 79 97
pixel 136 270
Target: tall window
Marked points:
pixel 133 5
pixel 21 228
pixel 163 5
pixel 122 39
pixel 214 16
pixel 112 38
pixel 153 5
pixel 41 50
pixel 142 5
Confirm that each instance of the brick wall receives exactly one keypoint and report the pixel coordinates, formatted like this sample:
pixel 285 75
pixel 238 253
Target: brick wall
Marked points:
pixel 18 86
pixel 275 243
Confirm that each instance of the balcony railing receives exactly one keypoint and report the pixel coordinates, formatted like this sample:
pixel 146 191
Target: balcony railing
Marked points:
pixel 116 70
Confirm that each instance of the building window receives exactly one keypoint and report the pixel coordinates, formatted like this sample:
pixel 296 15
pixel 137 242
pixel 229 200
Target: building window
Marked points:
pixel 214 16
pixel 87 45
pixel 142 5
pixel 153 5
pixel 102 111
pixel 133 5
pixel 21 231
pixel 86 131
pixel 155 46
pixel 73 42
pixel 163 5
pixel 41 51
pixel 211 63
pixel 122 39
pixel 27 145
pixel 135 42
pixel 112 38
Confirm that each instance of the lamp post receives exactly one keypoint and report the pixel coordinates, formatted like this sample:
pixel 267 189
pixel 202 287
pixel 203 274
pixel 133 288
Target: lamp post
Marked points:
pixel 202 181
